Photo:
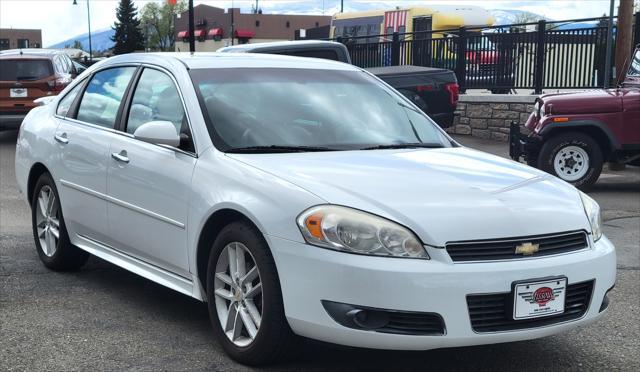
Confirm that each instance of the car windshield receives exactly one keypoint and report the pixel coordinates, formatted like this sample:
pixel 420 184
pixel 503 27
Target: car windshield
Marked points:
pixel 308 110
pixel 24 69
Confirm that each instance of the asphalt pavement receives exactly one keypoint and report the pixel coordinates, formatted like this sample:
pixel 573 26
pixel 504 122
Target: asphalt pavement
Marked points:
pixel 105 318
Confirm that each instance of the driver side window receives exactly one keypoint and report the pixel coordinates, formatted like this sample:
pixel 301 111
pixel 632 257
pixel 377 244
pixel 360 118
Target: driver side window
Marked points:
pixel 157 98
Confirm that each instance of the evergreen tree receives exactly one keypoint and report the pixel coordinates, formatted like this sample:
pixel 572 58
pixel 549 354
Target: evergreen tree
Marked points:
pixel 128 35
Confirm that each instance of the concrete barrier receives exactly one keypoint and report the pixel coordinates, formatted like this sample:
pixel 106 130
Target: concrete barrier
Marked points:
pixel 489 116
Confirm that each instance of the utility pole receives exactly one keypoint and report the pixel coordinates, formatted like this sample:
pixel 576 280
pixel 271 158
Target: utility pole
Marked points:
pixel 624 36
pixel 192 31
pixel 341 6
pixel 607 62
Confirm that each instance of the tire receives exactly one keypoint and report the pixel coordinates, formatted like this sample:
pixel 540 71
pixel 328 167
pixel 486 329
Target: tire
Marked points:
pixel 47 221
pixel 274 337
pixel 574 157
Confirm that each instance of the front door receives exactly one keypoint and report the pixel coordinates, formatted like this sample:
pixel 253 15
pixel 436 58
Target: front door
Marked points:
pixel 149 185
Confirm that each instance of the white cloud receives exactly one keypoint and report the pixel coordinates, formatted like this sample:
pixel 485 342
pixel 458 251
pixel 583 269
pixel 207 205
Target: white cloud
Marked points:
pixel 60 19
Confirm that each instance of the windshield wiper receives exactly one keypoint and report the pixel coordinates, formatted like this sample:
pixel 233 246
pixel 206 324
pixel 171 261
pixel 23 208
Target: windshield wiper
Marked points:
pixel 428 145
pixel 279 148
pixel 26 78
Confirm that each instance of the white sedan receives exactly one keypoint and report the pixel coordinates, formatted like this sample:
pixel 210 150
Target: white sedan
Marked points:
pixel 303 197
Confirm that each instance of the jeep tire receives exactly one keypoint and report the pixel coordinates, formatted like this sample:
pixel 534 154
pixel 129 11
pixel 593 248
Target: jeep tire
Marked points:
pixel 574 157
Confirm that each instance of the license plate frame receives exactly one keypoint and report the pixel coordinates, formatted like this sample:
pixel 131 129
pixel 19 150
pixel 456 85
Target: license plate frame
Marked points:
pixel 525 305
pixel 18 93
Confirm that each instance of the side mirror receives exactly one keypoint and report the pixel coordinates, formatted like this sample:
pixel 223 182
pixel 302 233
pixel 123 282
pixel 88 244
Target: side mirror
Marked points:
pixel 158 132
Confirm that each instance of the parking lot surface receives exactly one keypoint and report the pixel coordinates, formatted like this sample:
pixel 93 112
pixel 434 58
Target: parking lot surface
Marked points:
pixel 105 318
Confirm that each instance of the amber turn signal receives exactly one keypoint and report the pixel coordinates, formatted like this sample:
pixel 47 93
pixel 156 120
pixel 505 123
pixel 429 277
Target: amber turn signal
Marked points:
pixel 313 224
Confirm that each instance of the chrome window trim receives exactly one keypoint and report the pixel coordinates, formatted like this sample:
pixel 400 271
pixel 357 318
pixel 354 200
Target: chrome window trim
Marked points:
pixel 115 131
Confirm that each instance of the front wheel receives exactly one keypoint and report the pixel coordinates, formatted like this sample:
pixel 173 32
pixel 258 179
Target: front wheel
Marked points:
pixel 574 157
pixel 244 297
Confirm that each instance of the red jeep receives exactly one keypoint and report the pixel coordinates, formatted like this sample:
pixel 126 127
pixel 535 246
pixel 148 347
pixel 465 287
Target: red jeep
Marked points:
pixel 573 134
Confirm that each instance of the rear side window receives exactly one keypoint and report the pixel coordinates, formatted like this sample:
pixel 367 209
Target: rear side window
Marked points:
pixel 101 99
pixel 25 69
pixel 67 101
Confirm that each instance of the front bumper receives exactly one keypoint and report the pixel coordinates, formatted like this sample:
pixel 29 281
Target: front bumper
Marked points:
pixel 523 147
pixel 310 275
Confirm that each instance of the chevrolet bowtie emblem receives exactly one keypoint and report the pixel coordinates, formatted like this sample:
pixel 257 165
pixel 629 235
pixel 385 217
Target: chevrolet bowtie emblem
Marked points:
pixel 527 249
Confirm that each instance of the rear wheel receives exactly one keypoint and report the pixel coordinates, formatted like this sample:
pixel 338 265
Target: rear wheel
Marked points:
pixel 49 231
pixel 572 156
pixel 244 297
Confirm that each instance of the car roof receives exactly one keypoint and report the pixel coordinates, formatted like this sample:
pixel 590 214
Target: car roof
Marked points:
pixel 281 44
pixel 30 53
pixel 202 60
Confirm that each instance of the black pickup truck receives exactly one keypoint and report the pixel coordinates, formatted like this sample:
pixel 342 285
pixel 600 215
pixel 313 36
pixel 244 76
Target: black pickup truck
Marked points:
pixel 434 90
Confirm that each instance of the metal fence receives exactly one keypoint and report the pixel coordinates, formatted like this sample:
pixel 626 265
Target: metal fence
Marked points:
pixel 517 56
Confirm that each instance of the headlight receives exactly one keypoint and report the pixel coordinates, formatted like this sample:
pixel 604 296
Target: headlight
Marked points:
pixel 542 110
pixel 351 230
pixel 592 209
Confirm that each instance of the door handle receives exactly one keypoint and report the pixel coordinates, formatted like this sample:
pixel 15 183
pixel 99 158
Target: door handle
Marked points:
pixel 121 156
pixel 61 138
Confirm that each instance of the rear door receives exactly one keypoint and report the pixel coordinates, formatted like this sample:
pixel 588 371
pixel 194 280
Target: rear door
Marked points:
pixel 22 80
pixel 149 185
pixel 84 134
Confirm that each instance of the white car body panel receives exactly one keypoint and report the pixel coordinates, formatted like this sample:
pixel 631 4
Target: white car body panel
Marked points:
pixel 428 190
pixel 147 216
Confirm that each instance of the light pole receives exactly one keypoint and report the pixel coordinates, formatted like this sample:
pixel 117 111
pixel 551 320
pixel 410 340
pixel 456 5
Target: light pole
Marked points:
pixel 75 2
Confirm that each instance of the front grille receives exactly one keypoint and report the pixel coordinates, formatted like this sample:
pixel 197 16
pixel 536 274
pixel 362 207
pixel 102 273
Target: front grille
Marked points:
pixel 504 249
pixel 494 312
pixel 414 324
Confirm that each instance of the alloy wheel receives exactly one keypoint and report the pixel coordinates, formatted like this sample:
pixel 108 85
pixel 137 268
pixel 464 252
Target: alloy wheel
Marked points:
pixel 48 221
pixel 238 294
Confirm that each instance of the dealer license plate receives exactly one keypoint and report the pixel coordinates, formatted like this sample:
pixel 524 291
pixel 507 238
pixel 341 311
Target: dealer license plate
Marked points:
pixel 539 298
pixel 18 92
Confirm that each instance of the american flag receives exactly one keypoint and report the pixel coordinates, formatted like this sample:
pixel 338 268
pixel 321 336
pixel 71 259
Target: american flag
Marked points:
pixel 395 19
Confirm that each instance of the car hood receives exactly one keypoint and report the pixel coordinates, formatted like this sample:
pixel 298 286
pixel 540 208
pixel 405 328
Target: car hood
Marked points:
pixel 442 195
pixel 588 102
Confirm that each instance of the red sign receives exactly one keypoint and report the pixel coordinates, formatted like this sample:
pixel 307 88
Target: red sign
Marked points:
pixel 543 295
pixel 172 2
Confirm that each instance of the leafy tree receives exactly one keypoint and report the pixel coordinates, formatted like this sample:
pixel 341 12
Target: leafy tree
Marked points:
pixel 77 44
pixel 157 23
pixel 128 35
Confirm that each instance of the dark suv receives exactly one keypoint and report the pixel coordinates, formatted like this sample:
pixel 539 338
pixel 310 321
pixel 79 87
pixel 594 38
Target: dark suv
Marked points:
pixel 573 134
pixel 28 74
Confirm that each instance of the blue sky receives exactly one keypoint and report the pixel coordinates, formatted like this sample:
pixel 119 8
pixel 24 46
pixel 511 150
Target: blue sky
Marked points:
pixel 60 20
